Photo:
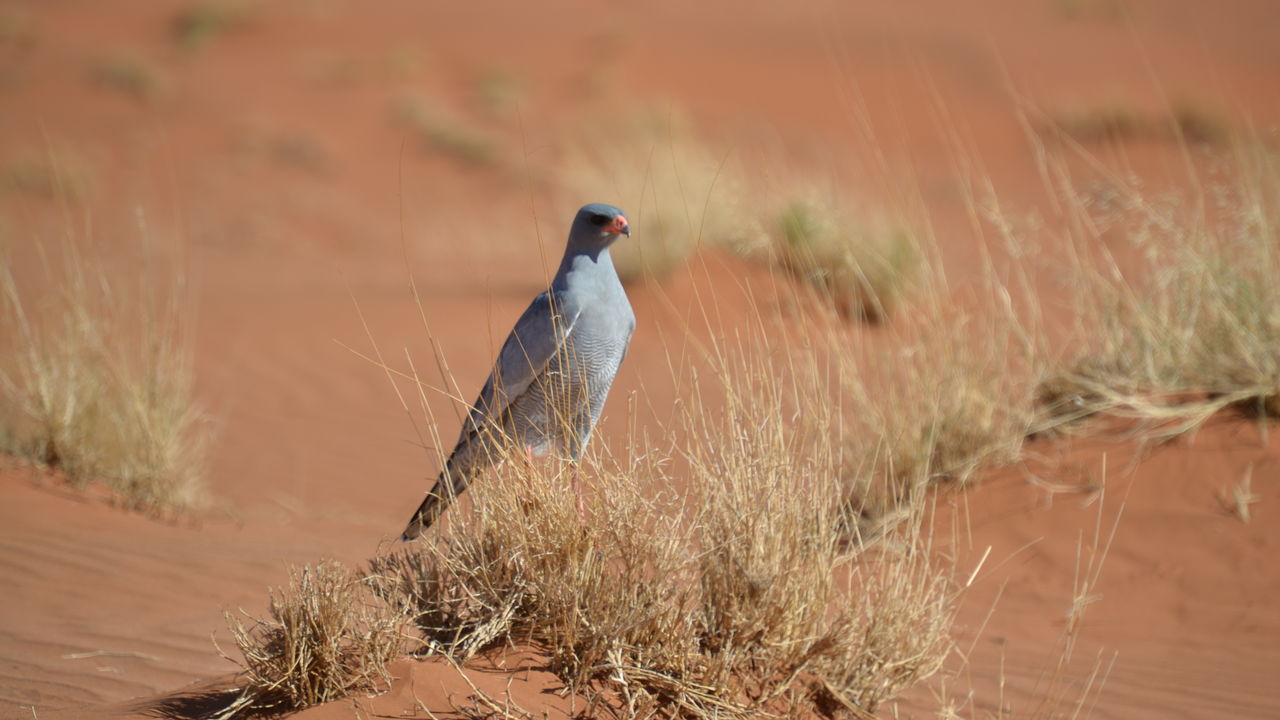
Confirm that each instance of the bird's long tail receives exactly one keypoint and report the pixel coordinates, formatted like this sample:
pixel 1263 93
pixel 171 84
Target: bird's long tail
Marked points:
pixel 448 486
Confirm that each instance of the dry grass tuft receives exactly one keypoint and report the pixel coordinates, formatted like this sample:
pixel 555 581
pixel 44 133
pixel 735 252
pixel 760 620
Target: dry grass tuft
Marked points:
pixel 772 509
pixel 976 415
pixel 943 392
pixel 862 266
pixel 688 196
pixel 98 384
pixel 745 599
pixel 327 636
pixel 1189 323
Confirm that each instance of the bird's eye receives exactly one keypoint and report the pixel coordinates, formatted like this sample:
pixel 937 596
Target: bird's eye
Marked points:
pixel 599 220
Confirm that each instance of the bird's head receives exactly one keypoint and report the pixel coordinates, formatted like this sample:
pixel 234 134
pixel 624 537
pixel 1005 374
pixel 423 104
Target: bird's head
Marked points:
pixel 598 225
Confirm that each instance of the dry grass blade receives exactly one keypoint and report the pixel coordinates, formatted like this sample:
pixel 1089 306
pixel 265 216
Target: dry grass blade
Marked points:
pixel 863 266
pixel 1241 498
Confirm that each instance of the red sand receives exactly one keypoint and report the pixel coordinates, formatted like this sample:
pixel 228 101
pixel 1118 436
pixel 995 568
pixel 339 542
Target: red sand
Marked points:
pixel 102 609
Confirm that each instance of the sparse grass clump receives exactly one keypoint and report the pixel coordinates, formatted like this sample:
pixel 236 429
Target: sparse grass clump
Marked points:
pixel 952 394
pixel 327 636
pixel 1191 323
pixel 682 195
pixel 97 384
pixel 746 598
pixel 862 267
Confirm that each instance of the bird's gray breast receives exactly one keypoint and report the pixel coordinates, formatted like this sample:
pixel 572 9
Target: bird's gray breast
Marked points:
pixel 566 400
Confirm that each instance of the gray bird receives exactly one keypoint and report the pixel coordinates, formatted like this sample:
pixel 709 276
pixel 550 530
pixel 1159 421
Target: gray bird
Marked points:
pixel 551 378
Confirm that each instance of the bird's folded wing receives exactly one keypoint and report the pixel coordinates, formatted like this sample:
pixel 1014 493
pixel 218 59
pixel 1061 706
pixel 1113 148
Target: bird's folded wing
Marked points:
pixel 539 334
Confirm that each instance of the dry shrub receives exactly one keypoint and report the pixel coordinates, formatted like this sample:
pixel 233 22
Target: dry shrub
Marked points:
pixel 682 195
pixel 327 637
pixel 1190 322
pixel 943 392
pixel 98 384
pixel 861 264
pixel 746 599
pixel 679 193
pixel 767 469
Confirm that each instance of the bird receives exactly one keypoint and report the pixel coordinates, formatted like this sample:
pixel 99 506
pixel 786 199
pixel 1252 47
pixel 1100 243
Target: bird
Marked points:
pixel 553 373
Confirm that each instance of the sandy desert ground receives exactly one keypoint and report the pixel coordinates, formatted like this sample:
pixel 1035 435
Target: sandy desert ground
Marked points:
pixel 270 164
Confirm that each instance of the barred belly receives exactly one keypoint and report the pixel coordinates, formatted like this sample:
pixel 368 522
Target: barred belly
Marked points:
pixel 560 408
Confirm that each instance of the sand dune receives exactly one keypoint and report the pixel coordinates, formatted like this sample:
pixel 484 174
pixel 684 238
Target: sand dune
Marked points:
pixel 111 613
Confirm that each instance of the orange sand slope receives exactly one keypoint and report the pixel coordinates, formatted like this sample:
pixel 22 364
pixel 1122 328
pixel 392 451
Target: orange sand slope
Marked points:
pixel 272 163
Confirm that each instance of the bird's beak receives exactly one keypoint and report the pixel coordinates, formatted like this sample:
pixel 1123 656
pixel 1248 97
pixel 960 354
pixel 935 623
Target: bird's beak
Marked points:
pixel 620 225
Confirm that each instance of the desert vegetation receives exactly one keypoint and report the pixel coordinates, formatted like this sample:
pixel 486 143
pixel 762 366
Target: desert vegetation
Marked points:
pixel 1179 319
pixel 326 637
pixel 933 303
pixel 678 189
pixel 860 263
pixel 716 573
pixel 97 382
pixel 772 550
pixel 690 196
